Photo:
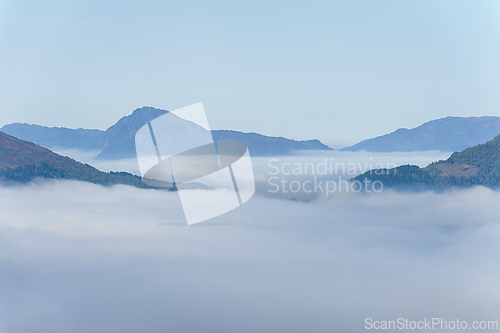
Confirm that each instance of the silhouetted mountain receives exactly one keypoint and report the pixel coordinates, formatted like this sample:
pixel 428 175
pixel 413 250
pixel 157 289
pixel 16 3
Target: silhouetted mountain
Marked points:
pixel 118 141
pixel 478 165
pixel 446 134
pixel 23 161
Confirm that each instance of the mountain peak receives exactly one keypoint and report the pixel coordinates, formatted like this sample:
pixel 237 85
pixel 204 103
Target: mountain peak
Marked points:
pixel 141 116
pixel 146 110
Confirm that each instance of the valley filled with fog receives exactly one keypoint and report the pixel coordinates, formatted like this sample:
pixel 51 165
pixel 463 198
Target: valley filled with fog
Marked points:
pixel 81 257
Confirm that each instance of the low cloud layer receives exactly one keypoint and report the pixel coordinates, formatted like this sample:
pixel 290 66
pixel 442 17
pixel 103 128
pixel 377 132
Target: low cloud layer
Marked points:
pixel 77 257
pixel 363 160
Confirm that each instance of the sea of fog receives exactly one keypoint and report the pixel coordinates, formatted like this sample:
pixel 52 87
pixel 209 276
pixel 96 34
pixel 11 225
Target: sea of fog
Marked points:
pixel 299 177
pixel 363 160
pixel 78 257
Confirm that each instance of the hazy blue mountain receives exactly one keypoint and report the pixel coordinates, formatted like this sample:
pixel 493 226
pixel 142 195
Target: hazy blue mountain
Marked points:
pixel 115 143
pixel 52 137
pixel 121 141
pixel 118 141
pixel 446 134
pixel 261 145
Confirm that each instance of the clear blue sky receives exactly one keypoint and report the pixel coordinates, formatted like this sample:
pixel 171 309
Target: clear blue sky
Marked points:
pixel 337 71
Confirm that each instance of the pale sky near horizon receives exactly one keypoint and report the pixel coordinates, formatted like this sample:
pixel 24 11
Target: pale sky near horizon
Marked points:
pixel 339 71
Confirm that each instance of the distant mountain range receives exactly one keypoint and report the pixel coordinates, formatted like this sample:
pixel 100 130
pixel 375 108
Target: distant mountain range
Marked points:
pixel 478 165
pixel 446 134
pixel 22 161
pixel 50 137
pixel 118 141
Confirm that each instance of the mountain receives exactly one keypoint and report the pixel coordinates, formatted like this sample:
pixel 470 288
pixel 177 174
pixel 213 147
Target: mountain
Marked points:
pixel 446 134
pixel 23 161
pixel 261 145
pixel 55 137
pixel 118 141
pixel 478 165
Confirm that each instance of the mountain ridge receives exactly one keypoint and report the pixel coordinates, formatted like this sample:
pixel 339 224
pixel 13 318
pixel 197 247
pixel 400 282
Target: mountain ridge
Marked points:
pixel 47 136
pixel 118 141
pixel 444 134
